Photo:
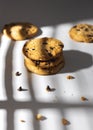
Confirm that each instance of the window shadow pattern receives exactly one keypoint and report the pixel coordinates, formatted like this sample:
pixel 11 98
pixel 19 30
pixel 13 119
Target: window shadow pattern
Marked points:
pixel 81 60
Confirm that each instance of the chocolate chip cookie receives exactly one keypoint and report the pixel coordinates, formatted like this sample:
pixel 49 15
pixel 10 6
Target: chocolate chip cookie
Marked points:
pixel 47 63
pixel 43 49
pixel 82 33
pixel 20 31
pixel 43 56
pixel 43 71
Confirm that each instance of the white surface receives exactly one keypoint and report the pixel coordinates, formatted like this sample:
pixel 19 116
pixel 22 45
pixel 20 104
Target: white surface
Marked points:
pixel 64 102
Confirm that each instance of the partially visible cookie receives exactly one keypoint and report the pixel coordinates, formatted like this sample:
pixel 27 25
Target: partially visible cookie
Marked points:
pixel 20 31
pixel 47 63
pixel 82 33
pixel 43 48
pixel 43 71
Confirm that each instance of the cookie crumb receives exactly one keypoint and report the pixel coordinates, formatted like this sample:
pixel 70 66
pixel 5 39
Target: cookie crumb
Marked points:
pixel 70 77
pixel 20 88
pixel 50 89
pixel 40 117
pixel 23 121
pixel 84 99
pixel 18 73
pixel 65 121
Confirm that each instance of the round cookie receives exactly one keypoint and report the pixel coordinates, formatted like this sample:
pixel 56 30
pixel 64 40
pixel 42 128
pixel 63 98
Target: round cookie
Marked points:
pixel 42 48
pixel 20 31
pixel 43 71
pixel 82 33
pixel 46 64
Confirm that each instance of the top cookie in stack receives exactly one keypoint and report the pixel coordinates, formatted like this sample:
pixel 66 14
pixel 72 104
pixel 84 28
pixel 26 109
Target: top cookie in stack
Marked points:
pixel 20 30
pixel 43 55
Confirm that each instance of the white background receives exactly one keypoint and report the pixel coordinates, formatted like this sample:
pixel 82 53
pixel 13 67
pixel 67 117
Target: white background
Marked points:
pixel 54 18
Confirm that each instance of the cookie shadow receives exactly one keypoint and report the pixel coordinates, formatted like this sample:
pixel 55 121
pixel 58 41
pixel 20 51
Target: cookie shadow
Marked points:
pixel 39 31
pixel 76 60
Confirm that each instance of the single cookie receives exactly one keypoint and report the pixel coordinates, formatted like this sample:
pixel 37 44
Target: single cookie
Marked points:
pixel 43 71
pixel 43 48
pixel 46 64
pixel 82 33
pixel 20 31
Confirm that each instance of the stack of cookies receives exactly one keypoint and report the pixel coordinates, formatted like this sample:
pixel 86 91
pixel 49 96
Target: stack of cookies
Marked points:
pixel 43 56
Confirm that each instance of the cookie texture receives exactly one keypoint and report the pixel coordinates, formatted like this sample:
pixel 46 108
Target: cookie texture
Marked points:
pixel 43 71
pixel 47 63
pixel 20 31
pixel 43 48
pixel 82 33
pixel 43 56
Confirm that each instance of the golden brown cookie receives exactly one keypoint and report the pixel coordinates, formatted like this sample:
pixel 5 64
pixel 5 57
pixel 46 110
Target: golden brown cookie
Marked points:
pixel 43 48
pixel 47 63
pixel 82 33
pixel 43 71
pixel 20 31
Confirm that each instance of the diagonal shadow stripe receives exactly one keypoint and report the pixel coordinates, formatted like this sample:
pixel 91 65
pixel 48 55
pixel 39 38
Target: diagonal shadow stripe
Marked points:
pixel 34 105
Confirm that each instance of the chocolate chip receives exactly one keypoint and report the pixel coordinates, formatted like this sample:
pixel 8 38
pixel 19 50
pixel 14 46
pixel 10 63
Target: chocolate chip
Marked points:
pixel 86 29
pixel 37 63
pixel 46 50
pixel 44 43
pixel 50 89
pixel 18 73
pixel 20 89
pixel 25 45
pixel 51 48
pixel 50 54
pixel 33 48
pixel 61 45
pixel 90 35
